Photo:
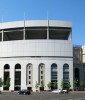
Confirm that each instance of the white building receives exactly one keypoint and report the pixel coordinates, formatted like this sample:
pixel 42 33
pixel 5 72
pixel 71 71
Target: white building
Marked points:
pixel 36 50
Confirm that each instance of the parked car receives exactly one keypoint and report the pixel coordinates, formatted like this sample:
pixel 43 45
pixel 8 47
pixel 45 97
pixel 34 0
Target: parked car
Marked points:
pixel 24 92
pixel 57 91
pixel 65 91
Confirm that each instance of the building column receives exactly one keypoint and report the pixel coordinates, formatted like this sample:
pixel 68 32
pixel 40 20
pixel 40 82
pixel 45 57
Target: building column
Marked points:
pixel 60 74
pixel 23 34
pixel 12 77
pixel 71 74
pixel 24 29
pixel 23 76
pixel 2 35
pixel 47 75
pixel 35 75
pixel 47 29
pixel 1 73
pixel 70 35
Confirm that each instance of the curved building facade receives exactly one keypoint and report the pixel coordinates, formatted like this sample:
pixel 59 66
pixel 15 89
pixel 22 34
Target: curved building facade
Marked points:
pixel 36 51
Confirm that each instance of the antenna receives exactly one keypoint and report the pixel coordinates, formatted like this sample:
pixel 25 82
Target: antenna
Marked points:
pixel 24 20
pixel 24 27
pixel 47 26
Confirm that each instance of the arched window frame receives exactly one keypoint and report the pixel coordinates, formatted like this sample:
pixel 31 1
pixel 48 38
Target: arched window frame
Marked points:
pixel 29 72
pixel 65 74
pixel 54 74
pixel 41 67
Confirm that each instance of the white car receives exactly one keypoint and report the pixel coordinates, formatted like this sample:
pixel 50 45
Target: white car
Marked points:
pixel 65 91
pixel 57 91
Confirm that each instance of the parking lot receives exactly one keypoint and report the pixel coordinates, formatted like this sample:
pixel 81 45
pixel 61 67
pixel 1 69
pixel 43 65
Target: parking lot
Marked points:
pixel 43 96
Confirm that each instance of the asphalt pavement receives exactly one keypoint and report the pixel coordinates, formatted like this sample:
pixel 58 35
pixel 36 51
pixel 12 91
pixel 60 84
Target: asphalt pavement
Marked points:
pixel 43 96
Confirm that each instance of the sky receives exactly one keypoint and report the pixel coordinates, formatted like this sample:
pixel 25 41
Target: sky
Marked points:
pixel 67 10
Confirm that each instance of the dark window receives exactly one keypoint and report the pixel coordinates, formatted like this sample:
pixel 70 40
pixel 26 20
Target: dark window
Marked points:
pixel 6 66
pixel 53 74
pixel 29 72
pixel 41 72
pixel 29 77
pixel 17 66
pixel 65 74
pixel 41 77
pixel 29 82
pixel 18 78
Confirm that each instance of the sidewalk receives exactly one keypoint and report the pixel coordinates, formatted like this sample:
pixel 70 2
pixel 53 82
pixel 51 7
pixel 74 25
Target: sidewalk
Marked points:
pixel 77 91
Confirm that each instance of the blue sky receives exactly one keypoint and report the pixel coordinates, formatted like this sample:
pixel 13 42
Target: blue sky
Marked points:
pixel 68 10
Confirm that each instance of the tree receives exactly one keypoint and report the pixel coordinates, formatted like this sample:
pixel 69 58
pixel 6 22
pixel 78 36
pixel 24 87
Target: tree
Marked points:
pixel 82 84
pixel 49 85
pixel 42 85
pixel 75 83
pixel 1 83
pixel 8 82
pixel 55 85
pixel 62 84
pixel 36 85
pixel 68 84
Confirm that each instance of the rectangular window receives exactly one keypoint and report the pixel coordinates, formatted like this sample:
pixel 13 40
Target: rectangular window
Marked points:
pixel 66 76
pixel 41 72
pixel 54 69
pixel 41 77
pixel 53 73
pixel 29 72
pixel 29 77
pixel 66 70
pixel 29 82
pixel 52 78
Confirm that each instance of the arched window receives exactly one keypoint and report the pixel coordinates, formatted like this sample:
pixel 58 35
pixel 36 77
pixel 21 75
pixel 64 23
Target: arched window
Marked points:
pixel 41 72
pixel 17 66
pixel 17 76
pixel 53 74
pixel 29 74
pixel 6 75
pixel 65 74
pixel 6 66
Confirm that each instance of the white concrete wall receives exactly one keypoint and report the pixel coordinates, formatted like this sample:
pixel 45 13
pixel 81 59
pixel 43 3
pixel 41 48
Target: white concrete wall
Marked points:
pixel 36 48
pixel 52 51
pixel 12 74
pixel 36 61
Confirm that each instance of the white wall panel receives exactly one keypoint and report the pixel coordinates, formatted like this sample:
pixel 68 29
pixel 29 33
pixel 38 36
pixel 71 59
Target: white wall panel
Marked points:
pixel 36 23
pixel 36 48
